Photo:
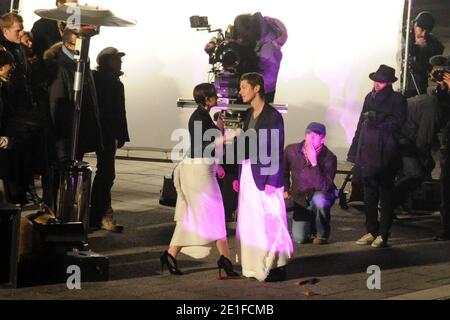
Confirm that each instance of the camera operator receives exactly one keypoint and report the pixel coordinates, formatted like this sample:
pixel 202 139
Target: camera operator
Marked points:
pixel 441 75
pixel 423 46
pixel 258 40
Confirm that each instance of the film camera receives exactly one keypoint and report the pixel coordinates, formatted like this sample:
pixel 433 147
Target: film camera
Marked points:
pixel 225 58
pixel 438 73
pixel 440 66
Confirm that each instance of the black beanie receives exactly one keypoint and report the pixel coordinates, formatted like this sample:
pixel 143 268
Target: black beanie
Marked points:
pixel 425 20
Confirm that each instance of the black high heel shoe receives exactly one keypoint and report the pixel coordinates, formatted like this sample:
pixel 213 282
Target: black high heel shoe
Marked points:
pixel 171 263
pixel 225 264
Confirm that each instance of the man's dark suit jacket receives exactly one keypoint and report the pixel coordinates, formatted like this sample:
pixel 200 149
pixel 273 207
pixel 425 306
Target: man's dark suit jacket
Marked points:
pixel 269 119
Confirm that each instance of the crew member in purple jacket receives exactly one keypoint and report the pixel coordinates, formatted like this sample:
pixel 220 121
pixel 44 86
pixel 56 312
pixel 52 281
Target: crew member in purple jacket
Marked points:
pixel 309 171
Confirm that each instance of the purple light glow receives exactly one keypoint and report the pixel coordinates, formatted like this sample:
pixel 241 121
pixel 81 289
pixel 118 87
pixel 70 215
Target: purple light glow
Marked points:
pixel 199 204
pixel 262 222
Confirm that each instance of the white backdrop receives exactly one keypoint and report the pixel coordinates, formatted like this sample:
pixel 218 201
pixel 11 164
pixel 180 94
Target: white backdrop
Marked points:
pixel 332 47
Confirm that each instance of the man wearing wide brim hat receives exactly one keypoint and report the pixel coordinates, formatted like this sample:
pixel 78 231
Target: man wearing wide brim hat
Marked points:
pixel 375 151
pixel 384 74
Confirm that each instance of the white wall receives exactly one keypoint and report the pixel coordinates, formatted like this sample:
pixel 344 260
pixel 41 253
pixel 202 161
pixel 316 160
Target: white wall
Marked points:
pixel 332 47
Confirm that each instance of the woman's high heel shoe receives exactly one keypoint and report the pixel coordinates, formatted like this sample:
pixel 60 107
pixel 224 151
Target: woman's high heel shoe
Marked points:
pixel 225 264
pixel 171 263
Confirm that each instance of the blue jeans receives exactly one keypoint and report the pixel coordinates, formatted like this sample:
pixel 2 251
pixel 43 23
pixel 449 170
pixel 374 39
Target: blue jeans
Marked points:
pixel 313 220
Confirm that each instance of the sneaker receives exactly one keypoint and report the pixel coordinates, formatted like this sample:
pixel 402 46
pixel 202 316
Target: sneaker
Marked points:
pixel 379 243
pixel 320 241
pixel 366 240
pixel 110 225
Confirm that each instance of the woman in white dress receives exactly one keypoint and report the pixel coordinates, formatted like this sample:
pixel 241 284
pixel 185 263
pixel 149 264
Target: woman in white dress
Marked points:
pixel 265 242
pixel 199 212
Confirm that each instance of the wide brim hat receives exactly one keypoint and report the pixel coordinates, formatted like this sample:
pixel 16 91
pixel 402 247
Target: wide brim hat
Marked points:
pixel 384 74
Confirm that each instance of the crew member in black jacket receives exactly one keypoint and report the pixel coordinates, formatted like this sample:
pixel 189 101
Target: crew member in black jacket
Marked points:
pixel 111 103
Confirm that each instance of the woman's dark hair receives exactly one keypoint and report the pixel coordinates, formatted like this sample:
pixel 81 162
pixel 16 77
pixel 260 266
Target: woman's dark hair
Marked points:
pixel 204 91
pixel 255 79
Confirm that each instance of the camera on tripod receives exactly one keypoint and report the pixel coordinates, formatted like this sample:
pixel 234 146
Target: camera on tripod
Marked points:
pixel 224 58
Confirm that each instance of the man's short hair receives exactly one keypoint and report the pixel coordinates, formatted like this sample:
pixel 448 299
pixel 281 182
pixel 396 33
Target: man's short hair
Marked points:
pixel 67 35
pixel 255 79
pixel 317 128
pixel 8 19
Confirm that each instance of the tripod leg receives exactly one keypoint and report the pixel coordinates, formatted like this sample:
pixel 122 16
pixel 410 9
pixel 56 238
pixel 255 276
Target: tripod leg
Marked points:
pixel 414 82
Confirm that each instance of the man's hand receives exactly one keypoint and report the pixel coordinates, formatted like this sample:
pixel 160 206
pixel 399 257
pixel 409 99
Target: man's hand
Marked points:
pixel 270 189
pixel 421 42
pixel 210 46
pixel 447 79
pixel 120 144
pixel 310 153
pixel 219 123
pixel 220 172
pixel 231 134
pixel 286 195
pixel 236 185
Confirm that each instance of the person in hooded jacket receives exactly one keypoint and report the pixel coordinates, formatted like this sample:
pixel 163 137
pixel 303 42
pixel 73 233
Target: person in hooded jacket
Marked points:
pixel 266 35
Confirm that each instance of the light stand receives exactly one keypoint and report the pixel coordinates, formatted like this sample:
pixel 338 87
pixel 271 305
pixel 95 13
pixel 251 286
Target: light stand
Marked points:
pixel 75 177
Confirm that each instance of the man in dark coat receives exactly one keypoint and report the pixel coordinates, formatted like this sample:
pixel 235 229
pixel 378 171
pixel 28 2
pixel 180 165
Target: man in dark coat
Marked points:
pixel 423 46
pixel 417 139
pixel 375 149
pixel 312 167
pixel 47 32
pixel 24 121
pixel 62 105
pixel 6 141
pixel 111 102
pixel 443 94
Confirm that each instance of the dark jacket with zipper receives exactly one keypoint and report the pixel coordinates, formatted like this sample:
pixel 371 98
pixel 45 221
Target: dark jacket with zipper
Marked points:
pixel 61 98
pixel 305 179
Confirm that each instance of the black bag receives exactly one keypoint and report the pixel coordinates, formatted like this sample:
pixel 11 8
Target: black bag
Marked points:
pixel 168 196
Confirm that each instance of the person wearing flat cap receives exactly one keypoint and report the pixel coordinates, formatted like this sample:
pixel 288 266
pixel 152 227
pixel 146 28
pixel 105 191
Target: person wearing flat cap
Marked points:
pixel 309 171
pixel 375 149
pixel 423 46
pixel 111 104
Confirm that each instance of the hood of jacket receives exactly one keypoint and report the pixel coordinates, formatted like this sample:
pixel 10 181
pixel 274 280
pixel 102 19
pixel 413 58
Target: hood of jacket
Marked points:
pixel 272 30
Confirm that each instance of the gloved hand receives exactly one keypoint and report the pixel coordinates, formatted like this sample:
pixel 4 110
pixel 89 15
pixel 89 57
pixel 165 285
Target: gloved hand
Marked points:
pixel 120 144
pixel 370 116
